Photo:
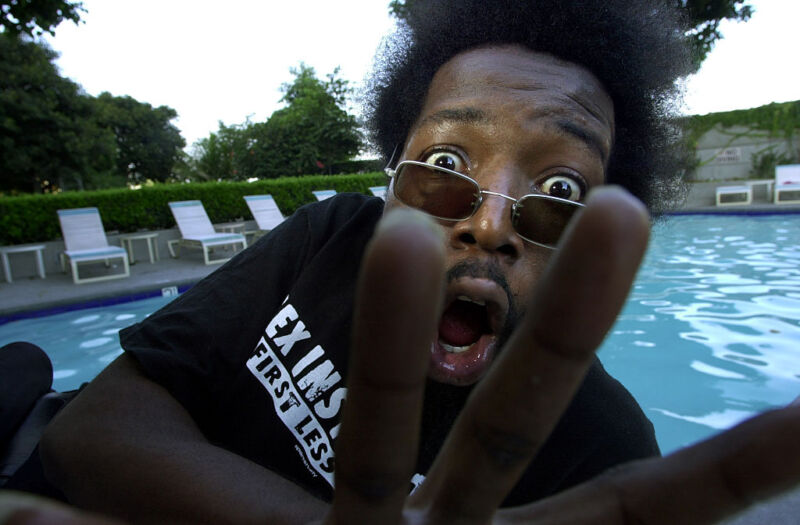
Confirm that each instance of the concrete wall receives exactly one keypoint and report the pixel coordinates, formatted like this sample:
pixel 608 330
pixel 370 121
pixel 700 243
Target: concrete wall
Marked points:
pixel 726 153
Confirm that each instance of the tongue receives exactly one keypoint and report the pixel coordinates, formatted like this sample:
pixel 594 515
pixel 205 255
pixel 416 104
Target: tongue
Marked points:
pixel 462 323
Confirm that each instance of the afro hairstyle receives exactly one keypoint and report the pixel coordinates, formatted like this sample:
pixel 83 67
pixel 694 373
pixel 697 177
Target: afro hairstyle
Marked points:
pixel 636 49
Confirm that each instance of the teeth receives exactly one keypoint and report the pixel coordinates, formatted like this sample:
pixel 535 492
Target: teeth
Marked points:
pixel 454 349
pixel 470 300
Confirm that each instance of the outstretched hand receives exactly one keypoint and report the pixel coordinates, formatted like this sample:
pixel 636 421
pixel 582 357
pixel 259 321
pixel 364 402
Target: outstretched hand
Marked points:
pixel 515 407
pixel 19 508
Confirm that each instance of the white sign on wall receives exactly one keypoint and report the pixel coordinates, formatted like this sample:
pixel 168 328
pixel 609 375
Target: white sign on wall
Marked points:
pixel 728 155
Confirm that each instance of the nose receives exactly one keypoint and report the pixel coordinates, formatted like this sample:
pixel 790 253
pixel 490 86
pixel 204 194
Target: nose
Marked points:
pixel 490 229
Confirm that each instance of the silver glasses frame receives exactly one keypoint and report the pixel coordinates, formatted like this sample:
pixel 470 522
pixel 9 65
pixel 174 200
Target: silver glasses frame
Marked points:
pixel 479 193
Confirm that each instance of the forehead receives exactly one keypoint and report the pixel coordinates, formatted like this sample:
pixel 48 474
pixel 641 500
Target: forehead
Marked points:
pixel 533 86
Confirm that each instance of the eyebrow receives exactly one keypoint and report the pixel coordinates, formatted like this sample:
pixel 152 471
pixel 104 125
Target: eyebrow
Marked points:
pixel 466 115
pixel 583 134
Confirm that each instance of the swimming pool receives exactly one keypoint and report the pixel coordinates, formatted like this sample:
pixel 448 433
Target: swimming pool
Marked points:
pixel 80 343
pixel 710 334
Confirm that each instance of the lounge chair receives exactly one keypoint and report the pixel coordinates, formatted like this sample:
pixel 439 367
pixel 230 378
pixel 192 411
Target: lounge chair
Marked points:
pixel 198 232
pixel 321 195
pixel 265 211
pixel 85 242
pixel 378 191
pixel 787 182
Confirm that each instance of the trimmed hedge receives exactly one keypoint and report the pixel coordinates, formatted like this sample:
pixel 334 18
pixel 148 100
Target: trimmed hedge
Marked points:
pixel 33 218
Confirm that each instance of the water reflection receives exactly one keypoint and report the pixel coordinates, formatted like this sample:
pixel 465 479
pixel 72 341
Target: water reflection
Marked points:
pixel 80 343
pixel 718 301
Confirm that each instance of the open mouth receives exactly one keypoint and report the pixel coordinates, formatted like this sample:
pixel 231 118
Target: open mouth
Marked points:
pixel 462 324
pixel 467 336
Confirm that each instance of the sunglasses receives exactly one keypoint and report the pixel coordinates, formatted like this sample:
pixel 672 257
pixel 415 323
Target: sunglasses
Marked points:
pixel 452 196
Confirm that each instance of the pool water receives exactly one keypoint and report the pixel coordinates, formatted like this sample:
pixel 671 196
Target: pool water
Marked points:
pixel 80 343
pixel 709 336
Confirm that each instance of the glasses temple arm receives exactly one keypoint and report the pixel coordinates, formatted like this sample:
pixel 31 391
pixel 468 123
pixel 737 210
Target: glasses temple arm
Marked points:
pixel 387 170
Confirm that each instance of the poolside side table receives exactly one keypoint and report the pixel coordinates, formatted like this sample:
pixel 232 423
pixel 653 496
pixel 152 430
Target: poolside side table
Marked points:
pixel 152 245
pixel 763 182
pixel 230 227
pixel 37 248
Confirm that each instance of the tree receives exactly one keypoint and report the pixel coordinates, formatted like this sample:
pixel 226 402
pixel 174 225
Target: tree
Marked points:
pixel 220 156
pixel 399 8
pixel 35 17
pixel 308 135
pixel 148 145
pixel 49 136
pixel 703 18
pixel 55 137
pixel 312 132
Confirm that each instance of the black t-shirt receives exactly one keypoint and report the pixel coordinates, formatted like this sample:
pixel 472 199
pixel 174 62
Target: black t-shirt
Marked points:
pixel 257 354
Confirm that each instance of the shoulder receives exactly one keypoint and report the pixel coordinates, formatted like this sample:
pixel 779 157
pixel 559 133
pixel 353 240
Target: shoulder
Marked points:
pixel 346 219
pixel 312 227
pixel 344 208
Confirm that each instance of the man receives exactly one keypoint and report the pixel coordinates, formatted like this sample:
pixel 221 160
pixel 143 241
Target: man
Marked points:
pixel 504 119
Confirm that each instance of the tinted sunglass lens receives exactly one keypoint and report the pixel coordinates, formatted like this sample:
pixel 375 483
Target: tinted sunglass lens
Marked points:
pixel 542 220
pixel 436 192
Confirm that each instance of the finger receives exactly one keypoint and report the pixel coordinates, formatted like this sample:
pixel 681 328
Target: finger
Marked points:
pixel 514 409
pixel 702 484
pixel 398 301
pixel 17 508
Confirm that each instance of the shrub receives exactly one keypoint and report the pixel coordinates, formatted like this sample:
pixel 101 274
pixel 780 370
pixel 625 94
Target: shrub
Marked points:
pixel 33 218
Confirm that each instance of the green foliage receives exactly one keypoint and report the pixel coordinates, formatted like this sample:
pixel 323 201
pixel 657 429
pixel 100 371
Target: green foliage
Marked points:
pixel 185 170
pixel 311 134
pixel 399 8
pixel 703 18
pixel 358 166
pixel 764 162
pixel 49 136
pixel 35 17
pixel 224 155
pixel 776 119
pixel 54 137
pixel 148 145
pixel 33 218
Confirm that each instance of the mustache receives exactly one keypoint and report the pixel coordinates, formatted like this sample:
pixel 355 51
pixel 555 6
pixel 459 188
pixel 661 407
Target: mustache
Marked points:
pixel 489 270
pixel 479 269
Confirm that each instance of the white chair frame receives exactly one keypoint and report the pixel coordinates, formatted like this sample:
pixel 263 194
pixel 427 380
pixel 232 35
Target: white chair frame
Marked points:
pixel 378 191
pixel 321 195
pixel 265 212
pixel 787 182
pixel 85 241
pixel 198 232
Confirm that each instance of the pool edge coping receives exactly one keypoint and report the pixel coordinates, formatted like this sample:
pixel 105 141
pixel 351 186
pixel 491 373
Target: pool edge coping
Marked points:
pixel 66 305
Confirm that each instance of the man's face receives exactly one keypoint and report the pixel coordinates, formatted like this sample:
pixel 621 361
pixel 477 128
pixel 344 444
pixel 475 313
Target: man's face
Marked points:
pixel 517 122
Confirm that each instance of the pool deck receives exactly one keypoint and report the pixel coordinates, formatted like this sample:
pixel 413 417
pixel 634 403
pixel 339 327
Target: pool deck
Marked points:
pixel 30 295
